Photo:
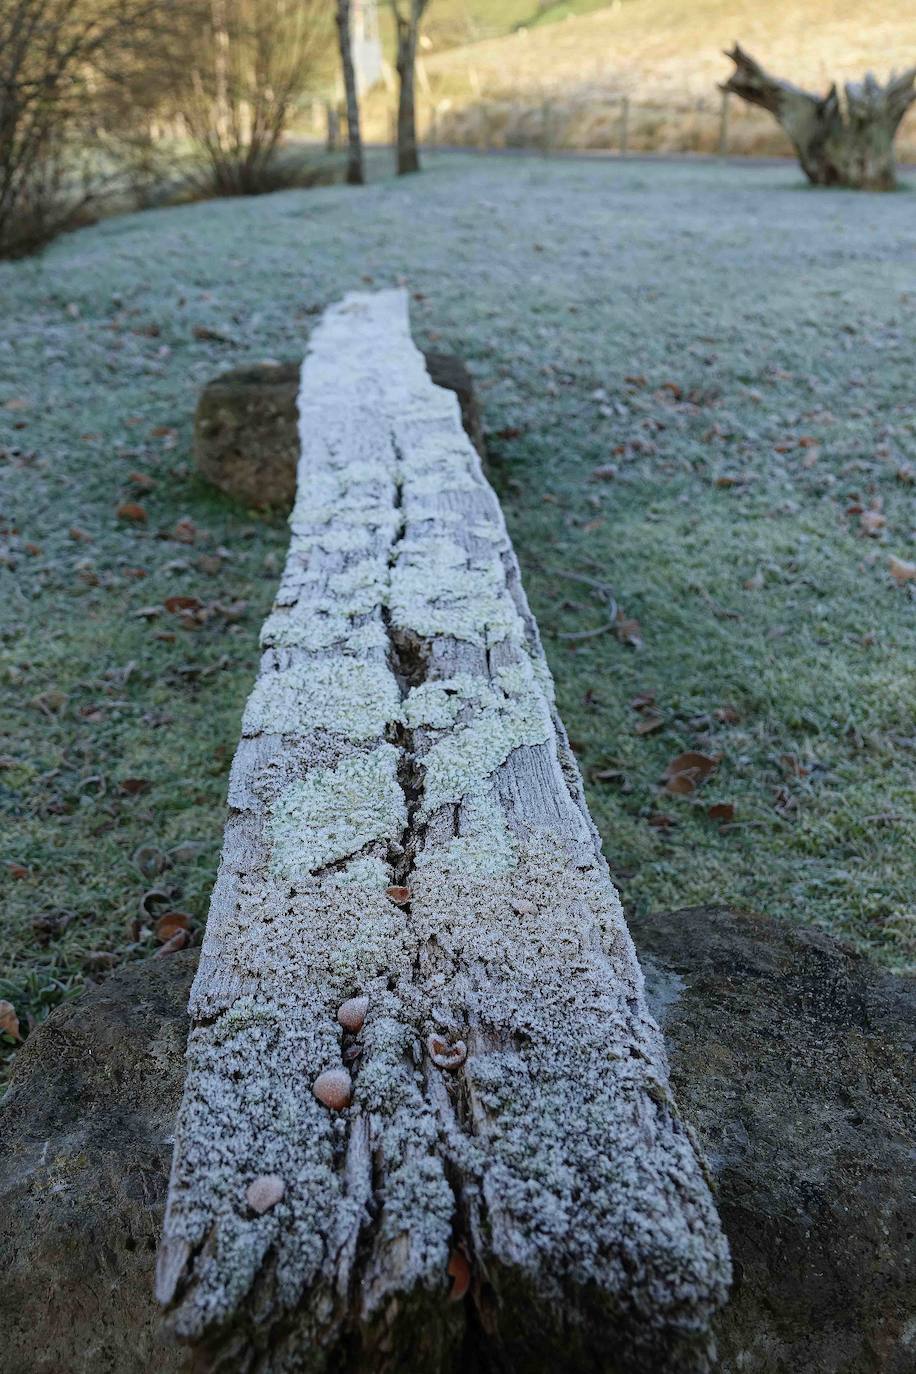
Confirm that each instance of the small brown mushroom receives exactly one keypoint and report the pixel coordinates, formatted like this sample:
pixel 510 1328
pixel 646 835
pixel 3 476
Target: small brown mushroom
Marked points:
pixel 352 1013
pixel 264 1192
pixel 334 1088
pixel 445 1055
pixel 460 1272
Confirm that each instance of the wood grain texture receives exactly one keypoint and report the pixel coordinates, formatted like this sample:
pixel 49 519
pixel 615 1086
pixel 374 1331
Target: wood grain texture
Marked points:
pixel 402 733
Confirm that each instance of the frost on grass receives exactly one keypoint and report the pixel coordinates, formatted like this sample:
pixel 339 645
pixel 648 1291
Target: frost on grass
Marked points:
pixel 333 813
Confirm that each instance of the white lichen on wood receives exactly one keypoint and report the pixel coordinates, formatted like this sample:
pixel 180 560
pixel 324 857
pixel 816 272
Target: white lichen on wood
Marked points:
pixel 402 731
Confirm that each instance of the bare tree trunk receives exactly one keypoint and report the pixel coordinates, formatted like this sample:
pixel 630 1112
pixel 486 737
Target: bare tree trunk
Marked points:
pixel 839 143
pixel 356 175
pixel 408 24
pixel 427 1125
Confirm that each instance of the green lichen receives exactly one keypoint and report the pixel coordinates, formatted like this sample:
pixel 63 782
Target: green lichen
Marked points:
pixel 347 696
pixel 437 704
pixel 335 812
pixel 315 628
pixel 461 764
pixel 438 589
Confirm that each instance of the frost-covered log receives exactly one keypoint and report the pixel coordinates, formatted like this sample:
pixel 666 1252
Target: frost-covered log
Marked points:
pixel 427 1123
pixel 839 143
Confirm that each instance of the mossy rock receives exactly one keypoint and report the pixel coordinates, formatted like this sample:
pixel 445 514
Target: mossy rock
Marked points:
pixel 791 1057
pixel 246 434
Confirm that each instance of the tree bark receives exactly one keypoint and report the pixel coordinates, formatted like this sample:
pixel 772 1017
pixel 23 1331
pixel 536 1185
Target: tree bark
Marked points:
pixel 836 146
pixel 407 23
pixel 356 175
pixel 511 1187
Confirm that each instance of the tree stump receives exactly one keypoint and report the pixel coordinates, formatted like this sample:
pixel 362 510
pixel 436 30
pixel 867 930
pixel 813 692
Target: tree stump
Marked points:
pixel 839 143
pixel 427 1124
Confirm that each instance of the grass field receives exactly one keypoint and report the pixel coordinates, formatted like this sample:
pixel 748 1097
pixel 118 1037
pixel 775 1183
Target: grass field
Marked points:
pixel 580 61
pixel 739 348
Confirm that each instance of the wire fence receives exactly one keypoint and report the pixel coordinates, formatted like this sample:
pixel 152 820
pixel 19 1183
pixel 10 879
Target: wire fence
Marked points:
pixel 594 120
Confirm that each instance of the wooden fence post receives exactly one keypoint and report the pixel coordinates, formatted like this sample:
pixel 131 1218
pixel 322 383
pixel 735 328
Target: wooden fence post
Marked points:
pixel 723 124
pixel 546 128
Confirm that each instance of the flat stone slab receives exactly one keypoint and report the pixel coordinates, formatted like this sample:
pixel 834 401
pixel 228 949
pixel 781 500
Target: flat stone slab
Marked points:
pixel 792 1059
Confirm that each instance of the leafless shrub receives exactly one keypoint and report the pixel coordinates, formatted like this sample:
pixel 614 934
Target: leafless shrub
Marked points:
pixel 246 67
pixel 60 60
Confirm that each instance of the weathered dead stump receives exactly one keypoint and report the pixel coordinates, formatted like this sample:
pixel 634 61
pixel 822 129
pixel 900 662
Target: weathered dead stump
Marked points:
pixel 427 1123
pixel 845 141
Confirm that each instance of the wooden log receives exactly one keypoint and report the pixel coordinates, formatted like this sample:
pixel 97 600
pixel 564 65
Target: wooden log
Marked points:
pixel 511 1186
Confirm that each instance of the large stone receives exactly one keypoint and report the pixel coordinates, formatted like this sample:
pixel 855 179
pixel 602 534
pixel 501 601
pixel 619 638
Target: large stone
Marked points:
pixel 85 1147
pixel 792 1058
pixel 246 439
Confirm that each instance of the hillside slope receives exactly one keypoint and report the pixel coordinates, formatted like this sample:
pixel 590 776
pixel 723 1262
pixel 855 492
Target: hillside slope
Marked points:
pixel 655 47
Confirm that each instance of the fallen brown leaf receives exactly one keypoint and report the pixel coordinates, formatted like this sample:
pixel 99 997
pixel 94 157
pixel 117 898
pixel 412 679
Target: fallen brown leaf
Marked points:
pixel 681 784
pixel 692 762
pixel 642 700
pixel 628 630
pixel 901 571
pixel 134 786
pixel 173 944
pixel 658 821
pixel 399 895
pixel 130 510
pixel 170 923
pixel 9 1021
pixel 185 531
pixel 727 714
pixel 872 521
pixel 141 481
pixel 460 1272
pixel 721 811
pixel 648 723
pixel 174 604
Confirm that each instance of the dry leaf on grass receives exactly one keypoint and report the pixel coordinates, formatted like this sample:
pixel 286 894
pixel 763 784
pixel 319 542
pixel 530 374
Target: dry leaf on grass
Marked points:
pixel 872 522
pixel 642 700
pixel 901 571
pixel 130 510
pixel 649 723
pixel 134 786
pixel 173 944
pixel 174 604
pixel 9 1021
pixel 721 811
pixel 628 630
pixel 687 771
pixel 169 925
